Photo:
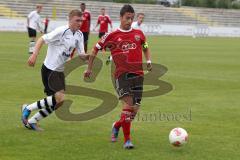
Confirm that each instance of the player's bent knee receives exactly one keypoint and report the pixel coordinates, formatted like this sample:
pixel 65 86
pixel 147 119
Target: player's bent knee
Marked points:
pixel 59 97
pixel 127 100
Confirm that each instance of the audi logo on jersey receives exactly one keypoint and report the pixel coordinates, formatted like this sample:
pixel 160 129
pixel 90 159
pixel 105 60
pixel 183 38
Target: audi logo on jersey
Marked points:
pixel 123 45
pixel 127 45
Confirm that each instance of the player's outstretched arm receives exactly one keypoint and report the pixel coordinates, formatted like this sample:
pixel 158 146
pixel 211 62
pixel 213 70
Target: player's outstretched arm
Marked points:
pixel 84 57
pixel 88 72
pixel 32 59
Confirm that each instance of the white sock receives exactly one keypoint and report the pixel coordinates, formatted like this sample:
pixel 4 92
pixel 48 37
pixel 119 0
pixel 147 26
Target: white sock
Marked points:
pixel 31 46
pixel 48 102
pixel 43 113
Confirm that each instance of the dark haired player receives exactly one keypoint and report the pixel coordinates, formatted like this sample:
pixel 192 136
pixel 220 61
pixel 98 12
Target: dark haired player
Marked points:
pixel 126 45
pixel 86 24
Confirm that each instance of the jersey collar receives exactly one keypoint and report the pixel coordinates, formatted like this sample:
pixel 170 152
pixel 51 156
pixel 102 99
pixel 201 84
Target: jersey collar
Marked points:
pixel 70 29
pixel 125 30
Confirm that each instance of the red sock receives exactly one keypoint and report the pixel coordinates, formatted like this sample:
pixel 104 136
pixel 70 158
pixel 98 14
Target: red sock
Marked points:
pixel 126 125
pixel 125 122
pixel 118 123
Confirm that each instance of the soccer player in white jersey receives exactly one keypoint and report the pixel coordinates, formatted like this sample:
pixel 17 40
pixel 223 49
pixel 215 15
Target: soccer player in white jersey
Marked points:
pixel 34 24
pixel 137 24
pixel 61 43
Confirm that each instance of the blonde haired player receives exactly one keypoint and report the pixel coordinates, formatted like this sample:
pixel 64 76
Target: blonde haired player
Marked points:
pixel 61 43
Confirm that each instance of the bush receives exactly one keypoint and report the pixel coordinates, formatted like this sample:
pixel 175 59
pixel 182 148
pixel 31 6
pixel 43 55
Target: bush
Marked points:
pixel 122 1
pixel 236 5
pixel 144 1
pixel 136 1
pixel 223 4
pixel 211 3
pixel 195 3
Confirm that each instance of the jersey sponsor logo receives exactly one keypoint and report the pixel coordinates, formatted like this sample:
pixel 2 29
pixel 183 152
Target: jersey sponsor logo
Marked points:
pixel 65 54
pixel 127 45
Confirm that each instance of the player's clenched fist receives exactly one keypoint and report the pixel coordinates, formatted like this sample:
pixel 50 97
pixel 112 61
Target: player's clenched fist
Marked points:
pixel 32 60
pixel 149 66
pixel 87 73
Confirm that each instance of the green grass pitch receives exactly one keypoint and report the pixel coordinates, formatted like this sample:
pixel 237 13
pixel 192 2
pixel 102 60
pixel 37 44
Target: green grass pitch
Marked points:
pixel 204 72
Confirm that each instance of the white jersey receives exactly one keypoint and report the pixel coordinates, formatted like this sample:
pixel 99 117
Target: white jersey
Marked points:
pixel 34 20
pixel 136 26
pixel 61 43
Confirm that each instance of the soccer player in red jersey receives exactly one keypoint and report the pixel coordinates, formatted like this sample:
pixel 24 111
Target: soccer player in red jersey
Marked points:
pixel 46 23
pixel 135 25
pixel 126 45
pixel 103 21
pixel 86 24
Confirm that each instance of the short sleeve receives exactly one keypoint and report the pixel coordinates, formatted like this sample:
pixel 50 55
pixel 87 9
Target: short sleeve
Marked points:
pixel 30 15
pixel 52 36
pixel 102 43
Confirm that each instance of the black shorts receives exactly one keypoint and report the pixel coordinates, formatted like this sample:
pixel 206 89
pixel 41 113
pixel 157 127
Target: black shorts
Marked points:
pixel 85 36
pixel 32 32
pixel 101 34
pixel 53 81
pixel 130 84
